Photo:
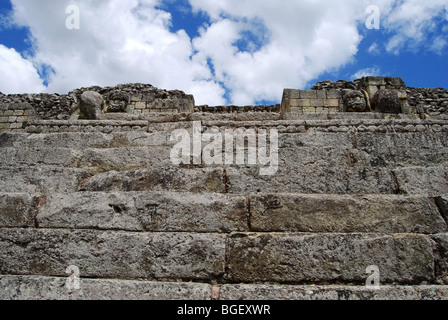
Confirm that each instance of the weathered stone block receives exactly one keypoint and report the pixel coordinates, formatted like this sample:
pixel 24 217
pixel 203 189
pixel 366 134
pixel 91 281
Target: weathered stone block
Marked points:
pixel 91 105
pixel 334 94
pixel 332 213
pixel 156 212
pixel 406 259
pixel 441 257
pixel 311 179
pixel 29 156
pixel 140 105
pixel 17 210
pixel 308 94
pixel 117 255
pixel 122 159
pixel 386 101
pixel 322 110
pixel 304 103
pixel 40 180
pixel 309 109
pixel 321 94
pixel 250 292
pixel 53 288
pixel 163 179
pixel 331 103
pixel 317 103
pixel 427 181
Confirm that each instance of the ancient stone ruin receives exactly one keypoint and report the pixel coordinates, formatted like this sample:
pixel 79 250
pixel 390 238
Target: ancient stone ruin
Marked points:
pixel 93 207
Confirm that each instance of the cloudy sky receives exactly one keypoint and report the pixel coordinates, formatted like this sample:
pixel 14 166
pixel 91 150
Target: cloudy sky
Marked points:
pixel 222 51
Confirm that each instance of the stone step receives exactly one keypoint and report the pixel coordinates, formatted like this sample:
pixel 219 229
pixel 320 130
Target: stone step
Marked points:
pixel 344 124
pixel 133 158
pixel 290 135
pixel 54 288
pixel 140 212
pixel 340 213
pixel 429 181
pixel 223 213
pixel 244 180
pixel 58 288
pixel 293 258
pixel 329 258
pixel 113 255
pixel 41 179
pixel 248 292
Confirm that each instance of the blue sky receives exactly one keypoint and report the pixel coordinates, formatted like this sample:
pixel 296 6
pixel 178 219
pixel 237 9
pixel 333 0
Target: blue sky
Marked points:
pixel 224 52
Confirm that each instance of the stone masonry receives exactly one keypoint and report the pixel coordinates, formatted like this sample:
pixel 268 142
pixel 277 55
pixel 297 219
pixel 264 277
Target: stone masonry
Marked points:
pixel 96 209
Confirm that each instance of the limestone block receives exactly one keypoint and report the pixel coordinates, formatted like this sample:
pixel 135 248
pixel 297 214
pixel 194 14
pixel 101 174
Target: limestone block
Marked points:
pixel 386 101
pixel 176 179
pixel 304 103
pixel 108 254
pixel 91 105
pixel 54 288
pixel 432 181
pixel 321 110
pixel 250 292
pixel 321 94
pixel 331 213
pixel 329 257
pixel 441 257
pixel 40 179
pixel 312 179
pixel 317 103
pixel 334 94
pixel 309 109
pixel 140 105
pixel 308 94
pixel 331 103
pixel 155 212
pixel 17 210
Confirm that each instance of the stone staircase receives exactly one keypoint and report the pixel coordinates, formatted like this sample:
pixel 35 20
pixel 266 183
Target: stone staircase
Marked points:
pixel 351 191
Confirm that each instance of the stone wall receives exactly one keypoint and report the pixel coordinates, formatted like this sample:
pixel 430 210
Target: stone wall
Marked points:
pixel 352 190
pixel 15 116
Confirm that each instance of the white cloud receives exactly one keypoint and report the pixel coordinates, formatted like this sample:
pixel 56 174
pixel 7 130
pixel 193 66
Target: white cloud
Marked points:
pixel 374 49
pixel 367 72
pixel 413 24
pixel 304 39
pixel 118 42
pixel 250 49
pixel 17 73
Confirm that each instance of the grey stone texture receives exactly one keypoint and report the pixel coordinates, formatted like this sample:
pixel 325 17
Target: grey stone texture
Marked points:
pixel 91 105
pixel 352 190
pixel 333 293
pixel 386 101
pixel 53 288
pixel 290 257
